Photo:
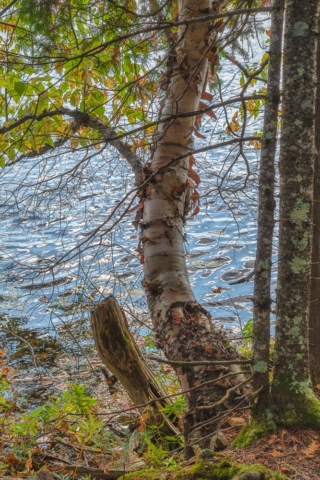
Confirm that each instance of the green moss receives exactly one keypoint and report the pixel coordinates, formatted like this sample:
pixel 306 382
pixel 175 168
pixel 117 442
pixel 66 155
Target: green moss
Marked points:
pixel 204 470
pixel 250 433
pixel 304 410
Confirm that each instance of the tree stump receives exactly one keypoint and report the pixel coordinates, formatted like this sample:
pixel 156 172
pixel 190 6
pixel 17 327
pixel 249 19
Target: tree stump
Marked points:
pixel 121 356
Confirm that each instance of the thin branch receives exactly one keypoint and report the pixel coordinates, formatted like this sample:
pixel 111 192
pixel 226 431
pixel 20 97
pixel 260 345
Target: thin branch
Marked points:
pixel 5 9
pixel 200 362
pixel 153 28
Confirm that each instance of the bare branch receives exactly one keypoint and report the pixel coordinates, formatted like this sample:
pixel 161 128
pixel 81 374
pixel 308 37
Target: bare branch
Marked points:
pixel 200 362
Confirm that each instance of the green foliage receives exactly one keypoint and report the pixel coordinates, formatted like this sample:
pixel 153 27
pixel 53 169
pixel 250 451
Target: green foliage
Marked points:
pixel 70 417
pixel 4 387
pixel 38 13
pixel 176 408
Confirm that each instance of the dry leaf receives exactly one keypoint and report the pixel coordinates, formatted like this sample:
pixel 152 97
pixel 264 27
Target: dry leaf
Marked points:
pixel 137 207
pixel 207 96
pixel 277 454
pixel 28 464
pixel 199 135
pixel 210 113
pixel 195 211
pixel 311 449
pixel 194 176
pixel 235 421
pixel 272 439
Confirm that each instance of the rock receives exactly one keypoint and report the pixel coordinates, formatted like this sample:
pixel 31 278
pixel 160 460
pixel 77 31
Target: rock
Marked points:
pixel 219 442
pixel 236 421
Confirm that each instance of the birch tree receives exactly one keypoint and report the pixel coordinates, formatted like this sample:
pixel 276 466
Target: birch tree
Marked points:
pixel 76 77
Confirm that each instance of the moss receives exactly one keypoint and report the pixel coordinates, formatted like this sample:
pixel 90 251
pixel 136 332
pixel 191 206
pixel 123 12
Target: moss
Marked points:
pixel 204 470
pixel 250 433
pixel 305 411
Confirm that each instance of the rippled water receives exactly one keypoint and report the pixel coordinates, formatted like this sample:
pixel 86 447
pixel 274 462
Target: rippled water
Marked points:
pixel 40 223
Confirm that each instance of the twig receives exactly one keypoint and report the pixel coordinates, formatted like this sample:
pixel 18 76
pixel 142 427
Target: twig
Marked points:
pixel 34 358
pixel 200 362
pixel 227 395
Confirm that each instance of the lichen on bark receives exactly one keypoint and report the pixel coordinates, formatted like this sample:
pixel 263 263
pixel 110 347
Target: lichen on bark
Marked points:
pixel 291 393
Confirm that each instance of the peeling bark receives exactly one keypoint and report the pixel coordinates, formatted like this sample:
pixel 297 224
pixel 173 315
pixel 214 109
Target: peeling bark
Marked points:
pixel 297 157
pixel 262 294
pixel 314 311
pixel 183 328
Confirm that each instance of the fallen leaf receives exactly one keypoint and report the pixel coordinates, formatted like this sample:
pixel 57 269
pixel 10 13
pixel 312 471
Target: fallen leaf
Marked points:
pixel 282 435
pixel 28 464
pixel 12 459
pixel 272 439
pixel 277 454
pixel 235 421
pixel 311 449
pixel 217 290
pixel 285 470
pixel 208 350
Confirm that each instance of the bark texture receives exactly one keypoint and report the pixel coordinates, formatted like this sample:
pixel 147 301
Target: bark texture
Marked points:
pixel 183 328
pixel 262 294
pixel 121 356
pixel 297 157
pixel 314 313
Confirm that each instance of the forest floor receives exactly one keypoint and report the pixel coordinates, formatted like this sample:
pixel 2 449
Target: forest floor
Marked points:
pixel 65 417
pixel 294 452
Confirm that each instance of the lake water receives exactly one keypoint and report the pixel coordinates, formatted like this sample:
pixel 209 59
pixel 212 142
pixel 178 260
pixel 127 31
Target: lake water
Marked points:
pixel 41 222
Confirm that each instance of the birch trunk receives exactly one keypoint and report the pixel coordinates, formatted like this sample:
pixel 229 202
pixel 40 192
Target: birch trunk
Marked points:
pixel 262 294
pixel 291 391
pixel 183 328
pixel 314 316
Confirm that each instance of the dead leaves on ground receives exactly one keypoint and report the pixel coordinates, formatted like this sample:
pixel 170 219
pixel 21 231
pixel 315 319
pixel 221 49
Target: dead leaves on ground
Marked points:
pixel 284 443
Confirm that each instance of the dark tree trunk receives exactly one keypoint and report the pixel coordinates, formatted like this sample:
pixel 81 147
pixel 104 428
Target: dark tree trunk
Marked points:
pixel 314 316
pixel 262 294
pixel 291 386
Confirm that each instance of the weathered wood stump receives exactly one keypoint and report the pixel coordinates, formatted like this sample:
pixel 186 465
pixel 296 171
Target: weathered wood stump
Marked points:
pixel 120 354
